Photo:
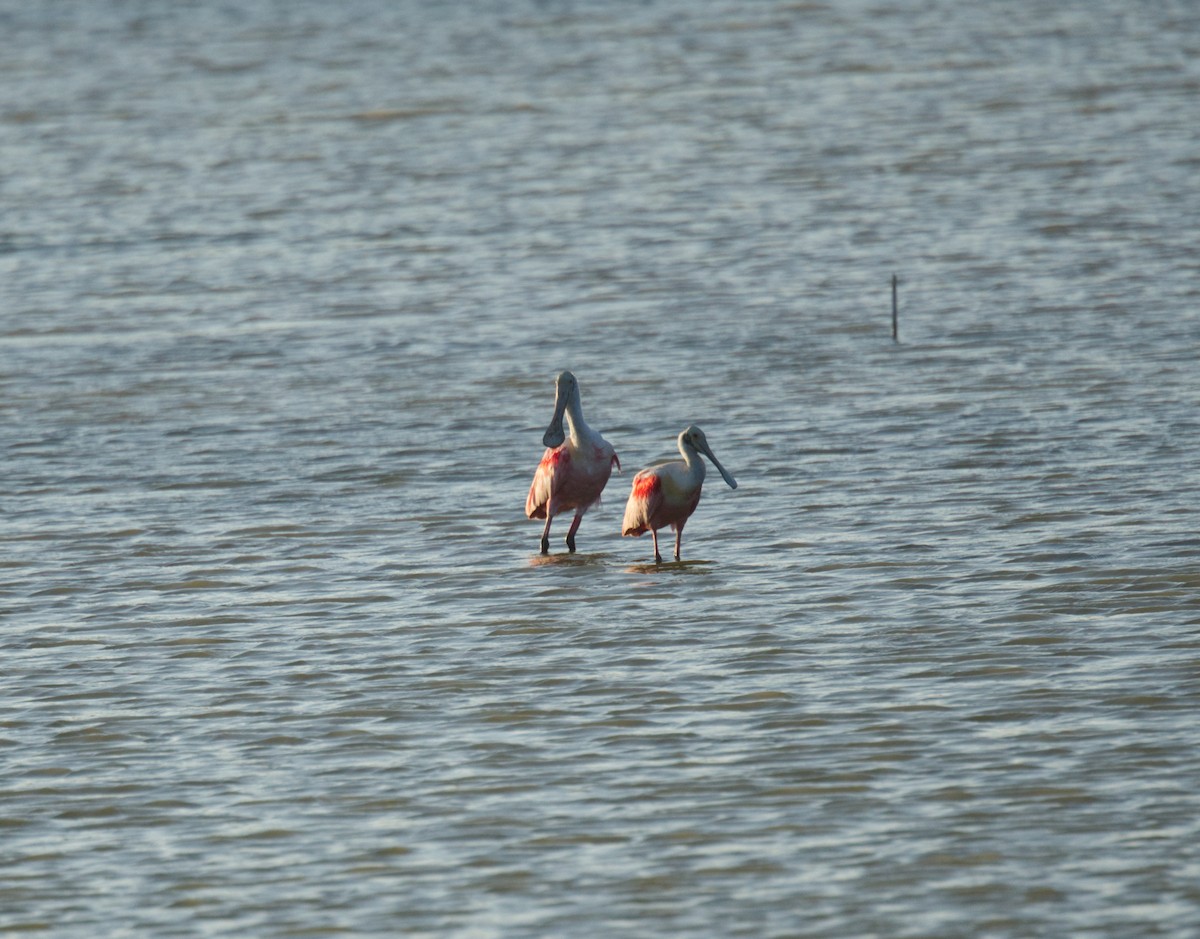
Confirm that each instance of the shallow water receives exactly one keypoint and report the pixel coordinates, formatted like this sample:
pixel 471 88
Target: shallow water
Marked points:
pixel 283 289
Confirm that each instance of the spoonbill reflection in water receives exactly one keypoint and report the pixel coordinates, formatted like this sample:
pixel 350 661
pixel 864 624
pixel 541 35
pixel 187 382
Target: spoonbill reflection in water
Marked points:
pixel 575 467
pixel 668 493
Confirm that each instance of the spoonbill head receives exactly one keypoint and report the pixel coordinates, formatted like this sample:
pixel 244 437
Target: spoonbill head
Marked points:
pixel 575 467
pixel 566 390
pixel 668 493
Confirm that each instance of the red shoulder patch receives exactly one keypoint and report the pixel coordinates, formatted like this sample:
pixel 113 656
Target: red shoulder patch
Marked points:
pixel 645 486
pixel 556 457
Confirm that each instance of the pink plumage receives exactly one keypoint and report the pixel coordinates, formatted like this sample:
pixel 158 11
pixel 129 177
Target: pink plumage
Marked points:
pixel 667 494
pixel 575 467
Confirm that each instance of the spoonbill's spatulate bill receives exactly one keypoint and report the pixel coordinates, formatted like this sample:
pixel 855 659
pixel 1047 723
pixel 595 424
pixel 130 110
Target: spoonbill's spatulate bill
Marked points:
pixel 574 468
pixel 668 493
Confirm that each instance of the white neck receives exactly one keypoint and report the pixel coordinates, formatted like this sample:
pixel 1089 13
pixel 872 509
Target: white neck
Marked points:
pixel 691 457
pixel 577 428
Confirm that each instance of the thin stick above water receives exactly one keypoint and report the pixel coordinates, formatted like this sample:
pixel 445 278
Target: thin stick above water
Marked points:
pixel 895 313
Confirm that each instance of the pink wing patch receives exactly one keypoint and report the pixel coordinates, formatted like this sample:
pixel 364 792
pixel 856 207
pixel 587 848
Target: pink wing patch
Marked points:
pixel 645 485
pixel 643 503
pixel 546 481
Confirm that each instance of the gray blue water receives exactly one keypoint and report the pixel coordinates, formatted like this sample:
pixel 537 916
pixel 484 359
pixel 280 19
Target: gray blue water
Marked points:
pixel 283 291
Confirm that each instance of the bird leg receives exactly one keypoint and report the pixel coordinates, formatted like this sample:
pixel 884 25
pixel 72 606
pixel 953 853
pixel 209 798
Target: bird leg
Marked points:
pixel 678 538
pixel 546 534
pixel 571 532
pixel 657 556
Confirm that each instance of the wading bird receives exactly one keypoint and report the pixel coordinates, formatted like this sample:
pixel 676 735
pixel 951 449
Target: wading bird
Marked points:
pixel 574 468
pixel 668 493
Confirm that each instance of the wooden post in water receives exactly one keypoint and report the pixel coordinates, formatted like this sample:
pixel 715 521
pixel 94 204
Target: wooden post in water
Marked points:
pixel 895 313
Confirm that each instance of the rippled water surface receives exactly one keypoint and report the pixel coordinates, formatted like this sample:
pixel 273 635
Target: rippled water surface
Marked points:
pixel 283 290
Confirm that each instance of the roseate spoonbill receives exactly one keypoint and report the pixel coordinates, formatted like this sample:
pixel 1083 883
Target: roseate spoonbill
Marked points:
pixel 574 468
pixel 668 493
